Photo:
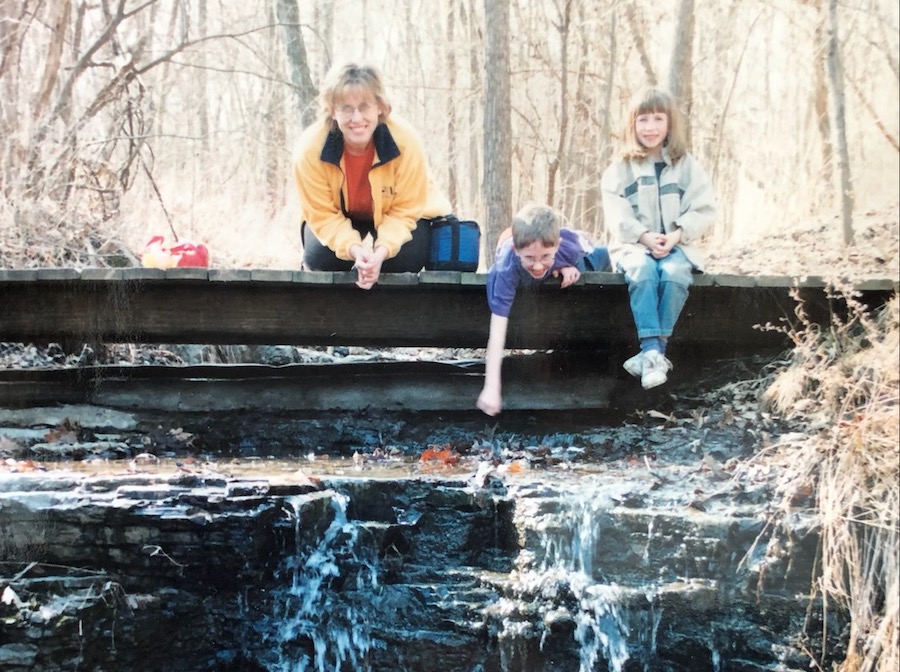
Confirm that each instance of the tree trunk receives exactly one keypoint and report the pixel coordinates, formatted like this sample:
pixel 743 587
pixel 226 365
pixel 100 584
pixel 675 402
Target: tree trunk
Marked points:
pixel 604 150
pixel 304 90
pixel 202 110
pixel 60 23
pixel 323 20
pixel 820 104
pixel 474 147
pixel 452 185
pixel 497 182
pixel 14 22
pixel 637 32
pixel 580 204
pixel 563 29
pixel 275 130
pixel 681 83
pixel 836 86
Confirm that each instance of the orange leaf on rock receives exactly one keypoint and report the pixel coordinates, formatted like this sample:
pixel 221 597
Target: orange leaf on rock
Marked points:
pixel 440 454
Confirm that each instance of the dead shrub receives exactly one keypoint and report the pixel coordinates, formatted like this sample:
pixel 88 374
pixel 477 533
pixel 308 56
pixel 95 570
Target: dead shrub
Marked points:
pixel 842 383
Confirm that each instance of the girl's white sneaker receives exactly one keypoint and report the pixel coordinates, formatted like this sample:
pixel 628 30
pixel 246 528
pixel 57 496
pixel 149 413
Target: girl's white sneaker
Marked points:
pixel 655 370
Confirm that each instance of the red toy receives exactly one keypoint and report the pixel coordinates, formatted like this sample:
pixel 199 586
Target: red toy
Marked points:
pixel 183 254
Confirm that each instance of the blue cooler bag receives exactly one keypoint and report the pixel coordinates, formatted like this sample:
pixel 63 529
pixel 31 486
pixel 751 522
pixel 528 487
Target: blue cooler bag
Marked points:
pixel 455 245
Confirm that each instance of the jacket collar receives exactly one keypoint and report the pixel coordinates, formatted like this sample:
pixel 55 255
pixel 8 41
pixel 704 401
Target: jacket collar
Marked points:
pixel 385 146
pixel 665 155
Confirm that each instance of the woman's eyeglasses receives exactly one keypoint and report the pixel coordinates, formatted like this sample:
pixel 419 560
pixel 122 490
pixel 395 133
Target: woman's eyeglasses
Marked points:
pixel 347 111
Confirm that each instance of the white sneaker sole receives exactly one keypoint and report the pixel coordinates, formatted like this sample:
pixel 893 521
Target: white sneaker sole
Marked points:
pixel 653 379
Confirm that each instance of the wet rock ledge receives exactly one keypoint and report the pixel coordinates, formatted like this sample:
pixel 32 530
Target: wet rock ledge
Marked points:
pixel 485 568
pixel 271 542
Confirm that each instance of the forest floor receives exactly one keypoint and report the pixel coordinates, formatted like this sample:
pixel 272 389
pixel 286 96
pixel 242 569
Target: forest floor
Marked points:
pixel 817 249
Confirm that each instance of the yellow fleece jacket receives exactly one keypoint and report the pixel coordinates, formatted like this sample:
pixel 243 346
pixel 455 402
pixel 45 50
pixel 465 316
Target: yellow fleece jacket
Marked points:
pixel 402 188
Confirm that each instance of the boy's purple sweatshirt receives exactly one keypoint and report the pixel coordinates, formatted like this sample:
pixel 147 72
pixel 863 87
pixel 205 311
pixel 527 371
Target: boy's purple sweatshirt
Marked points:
pixel 507 274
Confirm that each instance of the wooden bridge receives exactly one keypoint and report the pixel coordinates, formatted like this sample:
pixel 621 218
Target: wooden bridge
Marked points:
pixel 589 321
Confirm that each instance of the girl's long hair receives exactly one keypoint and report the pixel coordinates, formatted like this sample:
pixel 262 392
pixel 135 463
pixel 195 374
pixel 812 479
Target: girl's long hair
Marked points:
pixel 649 101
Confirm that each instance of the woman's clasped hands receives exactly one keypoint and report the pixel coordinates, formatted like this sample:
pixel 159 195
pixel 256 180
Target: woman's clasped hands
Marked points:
pixel 368 264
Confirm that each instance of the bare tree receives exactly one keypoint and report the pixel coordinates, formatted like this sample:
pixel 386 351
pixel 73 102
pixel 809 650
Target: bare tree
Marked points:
pixel 474 35
pixel 202 78
pixel 820 99
pixel 876 117
pixel 275 127
pixel 681 83
pixel 562 25
pixel 638 32
pixel 836 88
pixel 15 19
pixel 497 182
pixel 104 100
pixel 452 181
pixel 323 28
pixel 304 90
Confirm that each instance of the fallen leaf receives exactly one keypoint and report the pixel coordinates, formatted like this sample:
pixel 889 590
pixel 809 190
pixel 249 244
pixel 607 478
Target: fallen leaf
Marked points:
pixel 440 454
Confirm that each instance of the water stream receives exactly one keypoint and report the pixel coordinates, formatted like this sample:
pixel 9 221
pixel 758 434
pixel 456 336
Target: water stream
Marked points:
pixel 589 586
pixel 339 633
pixel 609 551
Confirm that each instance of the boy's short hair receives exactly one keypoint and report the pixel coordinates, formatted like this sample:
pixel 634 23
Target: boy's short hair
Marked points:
pixel 536 223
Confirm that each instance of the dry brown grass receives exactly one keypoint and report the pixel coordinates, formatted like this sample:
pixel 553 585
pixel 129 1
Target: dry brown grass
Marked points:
pixel 842 384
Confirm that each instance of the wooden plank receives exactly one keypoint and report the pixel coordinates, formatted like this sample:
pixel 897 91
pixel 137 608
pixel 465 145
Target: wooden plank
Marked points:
pixel 102 274
pixel 187 273
pixel 314 277
pixel 530 383
pixel 229 274
pixel 17 274
pixel 441 278
pixel 57 274
pixel 598 278
pixel 143 273
pixel 398 279
pixel 267 275
pixel 233 307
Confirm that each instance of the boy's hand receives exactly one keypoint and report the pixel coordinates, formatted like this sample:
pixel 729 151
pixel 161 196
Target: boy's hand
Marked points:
pixel 489 401
pixel 569 274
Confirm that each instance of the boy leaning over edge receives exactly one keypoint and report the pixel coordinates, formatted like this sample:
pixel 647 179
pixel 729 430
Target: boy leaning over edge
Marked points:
pixel 538 248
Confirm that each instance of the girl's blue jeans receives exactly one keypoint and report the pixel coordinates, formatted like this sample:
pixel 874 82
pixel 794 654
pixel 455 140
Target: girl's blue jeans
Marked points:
pixel 596 260
pixel 658 290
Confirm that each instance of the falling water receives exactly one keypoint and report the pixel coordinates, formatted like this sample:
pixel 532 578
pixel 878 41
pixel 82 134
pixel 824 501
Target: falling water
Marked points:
pixel 337 632
pixel 561 574
pixel 716 658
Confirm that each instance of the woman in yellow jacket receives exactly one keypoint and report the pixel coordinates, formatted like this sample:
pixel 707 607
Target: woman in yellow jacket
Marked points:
pixel 362 171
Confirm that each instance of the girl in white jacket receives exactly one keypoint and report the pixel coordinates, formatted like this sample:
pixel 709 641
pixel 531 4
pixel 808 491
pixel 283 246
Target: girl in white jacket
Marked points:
pixel 657 203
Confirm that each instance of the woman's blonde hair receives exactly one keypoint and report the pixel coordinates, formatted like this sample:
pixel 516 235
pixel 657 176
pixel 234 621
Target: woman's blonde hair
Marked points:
pixel 648 101
pixel 343 76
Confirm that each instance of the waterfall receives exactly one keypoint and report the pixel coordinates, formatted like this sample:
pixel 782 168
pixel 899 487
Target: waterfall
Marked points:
pixel 557 585
pixel 316 615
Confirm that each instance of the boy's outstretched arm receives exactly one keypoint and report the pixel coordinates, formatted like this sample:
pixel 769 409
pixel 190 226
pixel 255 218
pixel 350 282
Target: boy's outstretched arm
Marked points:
pixel 490 400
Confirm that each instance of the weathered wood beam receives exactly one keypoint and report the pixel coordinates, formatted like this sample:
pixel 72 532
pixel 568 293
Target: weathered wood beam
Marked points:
pixel 531 382
pixel 437 309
